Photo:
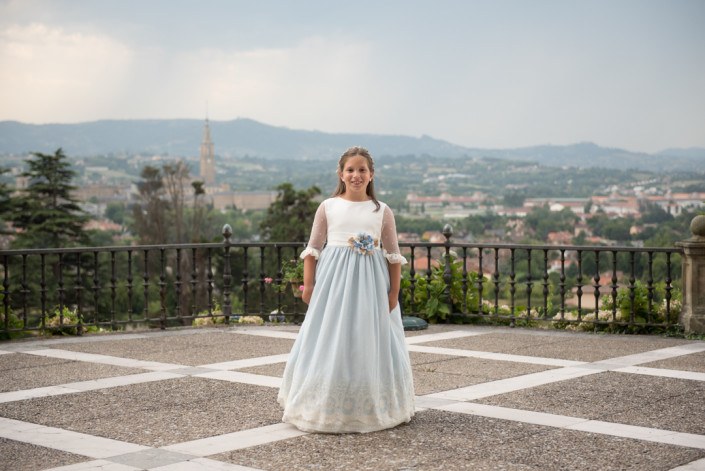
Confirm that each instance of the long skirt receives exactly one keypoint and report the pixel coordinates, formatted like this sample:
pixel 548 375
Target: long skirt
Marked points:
pixel 349 368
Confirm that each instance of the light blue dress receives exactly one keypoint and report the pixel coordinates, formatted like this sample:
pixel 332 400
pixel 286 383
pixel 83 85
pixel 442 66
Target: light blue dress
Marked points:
pixel 349 368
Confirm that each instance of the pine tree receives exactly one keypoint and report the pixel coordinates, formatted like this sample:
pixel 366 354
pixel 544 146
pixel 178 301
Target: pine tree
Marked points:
pixel 45 213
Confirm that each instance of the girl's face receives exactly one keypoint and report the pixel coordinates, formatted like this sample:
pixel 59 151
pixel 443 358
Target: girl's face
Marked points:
pixel 356 175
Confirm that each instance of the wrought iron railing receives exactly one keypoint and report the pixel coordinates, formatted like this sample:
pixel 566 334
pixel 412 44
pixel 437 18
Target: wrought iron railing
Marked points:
pixel 581 286
pixel 84 289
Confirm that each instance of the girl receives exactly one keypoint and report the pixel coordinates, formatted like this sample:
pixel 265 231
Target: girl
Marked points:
pixel 349 368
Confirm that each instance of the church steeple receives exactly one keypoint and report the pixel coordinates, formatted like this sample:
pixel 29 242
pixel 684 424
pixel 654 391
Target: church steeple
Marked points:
pixel 207 157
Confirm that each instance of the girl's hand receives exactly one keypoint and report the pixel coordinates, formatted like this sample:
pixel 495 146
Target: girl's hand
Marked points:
pixel 393 301
pixel 306 296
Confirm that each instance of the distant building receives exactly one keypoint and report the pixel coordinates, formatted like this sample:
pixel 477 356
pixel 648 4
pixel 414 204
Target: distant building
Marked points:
pixel 616 205
pixel 577 205
pixel 244 200
pixel 560 238
pixel 423 204
pixel 101 193
pixel 676 203
pixel 207 157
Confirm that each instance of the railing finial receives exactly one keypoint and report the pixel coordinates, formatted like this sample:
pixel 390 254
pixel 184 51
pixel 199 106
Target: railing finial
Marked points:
pixel 447 232
pixel 227 232
pixel 697 227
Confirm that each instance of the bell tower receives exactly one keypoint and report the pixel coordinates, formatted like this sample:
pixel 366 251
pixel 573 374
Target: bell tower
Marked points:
pixel 207 157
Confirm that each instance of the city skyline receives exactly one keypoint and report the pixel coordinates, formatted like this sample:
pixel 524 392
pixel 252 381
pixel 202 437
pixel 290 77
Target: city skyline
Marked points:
pixel 479 74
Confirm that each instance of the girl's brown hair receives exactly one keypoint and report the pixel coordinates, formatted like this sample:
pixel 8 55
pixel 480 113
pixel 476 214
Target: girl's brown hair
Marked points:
pixel 352 152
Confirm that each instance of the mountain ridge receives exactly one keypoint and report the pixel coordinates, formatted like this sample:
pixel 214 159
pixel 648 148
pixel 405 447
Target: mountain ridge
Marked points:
pixel 246 137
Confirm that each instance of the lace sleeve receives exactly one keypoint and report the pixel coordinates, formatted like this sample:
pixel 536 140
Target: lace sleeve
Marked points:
pixel 319 231
pixel 389 238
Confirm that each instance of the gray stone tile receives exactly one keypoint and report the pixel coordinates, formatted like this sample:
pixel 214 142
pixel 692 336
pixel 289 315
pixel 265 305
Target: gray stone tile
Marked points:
pixel 555 449
pixel 23 371
pixel 192 350
pixel 457 373
pixel 436 440
pixel 692 362
pixel 418 358
pixel 430 382
pixel 647 401
pixel 579 347
pixel 18 456
pixel 275 369
pixel 155 414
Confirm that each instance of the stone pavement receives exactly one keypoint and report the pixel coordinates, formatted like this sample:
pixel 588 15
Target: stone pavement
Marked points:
pixel 487 398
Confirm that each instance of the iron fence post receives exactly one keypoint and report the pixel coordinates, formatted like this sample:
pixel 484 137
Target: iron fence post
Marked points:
pixel 447 274
pixel 227 278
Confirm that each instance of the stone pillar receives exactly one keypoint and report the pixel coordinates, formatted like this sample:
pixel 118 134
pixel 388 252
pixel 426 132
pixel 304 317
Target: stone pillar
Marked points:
pixel 692 316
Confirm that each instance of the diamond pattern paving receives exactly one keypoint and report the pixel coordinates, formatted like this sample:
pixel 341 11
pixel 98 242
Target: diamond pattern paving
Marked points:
pixel 532 415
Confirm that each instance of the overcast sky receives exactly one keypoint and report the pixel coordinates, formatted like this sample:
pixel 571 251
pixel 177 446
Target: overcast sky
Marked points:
pixel 495 73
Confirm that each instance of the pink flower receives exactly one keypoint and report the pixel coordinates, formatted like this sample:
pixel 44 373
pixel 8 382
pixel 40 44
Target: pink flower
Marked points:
pixel 301 288
pixel 268 280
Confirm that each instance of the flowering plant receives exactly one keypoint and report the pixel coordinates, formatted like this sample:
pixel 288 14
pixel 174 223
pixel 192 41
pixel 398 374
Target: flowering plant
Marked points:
pixel 293 271
pixel 363 243
pixel 293 274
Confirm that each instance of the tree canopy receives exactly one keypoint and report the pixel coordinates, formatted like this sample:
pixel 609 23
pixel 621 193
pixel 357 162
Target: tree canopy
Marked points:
pixel 45 213
pixel 290 217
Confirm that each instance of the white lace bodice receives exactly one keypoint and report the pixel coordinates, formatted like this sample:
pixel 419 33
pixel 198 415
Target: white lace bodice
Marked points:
pixel 338 219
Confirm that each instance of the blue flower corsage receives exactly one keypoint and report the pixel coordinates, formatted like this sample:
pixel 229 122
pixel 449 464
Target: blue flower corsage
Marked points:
pixel 363 243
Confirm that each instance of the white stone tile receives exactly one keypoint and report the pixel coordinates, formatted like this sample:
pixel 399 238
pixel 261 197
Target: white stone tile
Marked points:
pixel 12 396
pixel 493 388
pixel 82 386
pixel 277 334
pixel 10 428
pixel 248 362
pixel 95 465
pixel 240 377
pixel 655 355
pixel 151 458
pixel 575 423
pixel 103 359
pixel 697 465
pixel 65 440
pixel 494 356
pixel 514 415
pixel 688 348
pixel 685 439
pixel 641 433
pixel 432 402
pixel 203 464
pixel 43 342
pixel 237 440
pixel 116 381
pixel 664 373
pixel 452 334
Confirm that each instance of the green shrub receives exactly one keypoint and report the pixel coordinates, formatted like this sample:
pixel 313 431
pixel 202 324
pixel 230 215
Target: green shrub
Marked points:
pixel 65 322
pixel 13 322
pixel 430 295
